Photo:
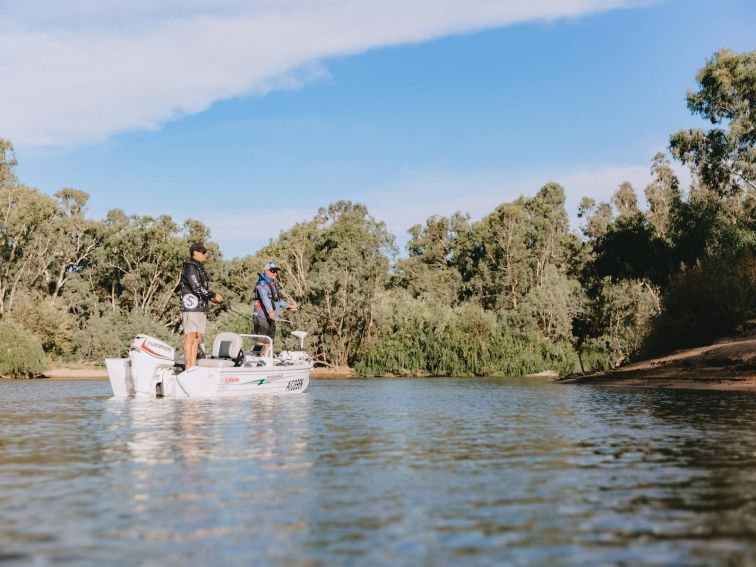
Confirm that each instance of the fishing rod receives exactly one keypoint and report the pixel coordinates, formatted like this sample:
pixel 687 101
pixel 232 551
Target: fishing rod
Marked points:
pixel 285 295
pixel 246 317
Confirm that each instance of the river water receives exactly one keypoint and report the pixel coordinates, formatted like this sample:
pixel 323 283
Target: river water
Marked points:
pixel 423 471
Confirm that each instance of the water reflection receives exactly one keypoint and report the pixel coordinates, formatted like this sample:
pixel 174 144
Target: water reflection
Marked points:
pixel 391 471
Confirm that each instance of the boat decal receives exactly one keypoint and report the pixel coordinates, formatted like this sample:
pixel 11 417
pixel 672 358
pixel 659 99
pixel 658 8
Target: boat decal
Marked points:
pixel 294 384
pixel 147 349
pixel 234 381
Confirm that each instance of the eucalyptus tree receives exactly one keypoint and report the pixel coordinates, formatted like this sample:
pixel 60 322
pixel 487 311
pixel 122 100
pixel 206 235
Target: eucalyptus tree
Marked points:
pixel 139 264
pixel 550 238
pixel 429 272
pixel 7 164
pixel 724 156
pixel 625 200
pixel 26 216
pixel 517 259
pixel 662 194
pixel 336 266
pixel 75 238
pixel 597 217
pixel 495 259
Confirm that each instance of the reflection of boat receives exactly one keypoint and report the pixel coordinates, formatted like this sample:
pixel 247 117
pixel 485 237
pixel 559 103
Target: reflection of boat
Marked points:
pixel 231 371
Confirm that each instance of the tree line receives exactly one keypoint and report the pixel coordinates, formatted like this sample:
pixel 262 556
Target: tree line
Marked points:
pixel 515 292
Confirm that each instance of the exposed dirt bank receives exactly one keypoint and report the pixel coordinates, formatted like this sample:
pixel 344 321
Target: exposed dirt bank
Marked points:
pixel 728 364
pixel 339 372
pixel 100 373
pixel 76 373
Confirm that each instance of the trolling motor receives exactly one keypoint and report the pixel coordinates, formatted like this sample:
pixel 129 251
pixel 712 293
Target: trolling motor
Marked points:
pixel 301 337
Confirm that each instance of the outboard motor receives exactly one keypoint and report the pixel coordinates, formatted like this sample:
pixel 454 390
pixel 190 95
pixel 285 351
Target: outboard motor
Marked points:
pixel 147 355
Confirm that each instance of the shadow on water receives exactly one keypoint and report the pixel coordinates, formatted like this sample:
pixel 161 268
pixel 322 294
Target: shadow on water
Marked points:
pixel 387 471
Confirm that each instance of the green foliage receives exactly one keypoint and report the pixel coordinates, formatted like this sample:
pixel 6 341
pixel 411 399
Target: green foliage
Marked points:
pixel 139 264
pixel 48 320
pixel 427 272
pixel 625 200
pixel 25 241
pixel 725 158
pixel 706 301
pixel 336 266
pixel 551 306
pixel 507 252
pixel 109 334
pixel 418 338
pixel 630 249
pixel 662 194
pixel 626 312
pixel 597 217
pixel 21 354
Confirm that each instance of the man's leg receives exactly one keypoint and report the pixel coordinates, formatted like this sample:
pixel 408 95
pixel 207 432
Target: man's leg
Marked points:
pixel 187 349
pixel 272 334
pixel 262 327
pixel 191 346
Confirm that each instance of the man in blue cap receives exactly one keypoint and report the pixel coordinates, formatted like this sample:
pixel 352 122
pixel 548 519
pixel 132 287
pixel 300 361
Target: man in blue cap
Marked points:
pixel 268 302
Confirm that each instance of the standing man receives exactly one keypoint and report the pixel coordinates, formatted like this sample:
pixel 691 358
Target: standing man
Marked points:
pixel 268 301
pixel 196 296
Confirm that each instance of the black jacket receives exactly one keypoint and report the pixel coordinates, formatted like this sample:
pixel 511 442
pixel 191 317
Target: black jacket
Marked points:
pixel 194 288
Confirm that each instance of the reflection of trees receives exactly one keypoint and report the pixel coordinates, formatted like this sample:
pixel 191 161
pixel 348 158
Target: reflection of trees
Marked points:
pixel 188 468
pixel 671 460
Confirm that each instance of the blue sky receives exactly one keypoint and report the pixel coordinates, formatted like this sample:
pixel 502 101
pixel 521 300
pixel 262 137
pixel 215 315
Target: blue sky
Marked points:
pixel 412 114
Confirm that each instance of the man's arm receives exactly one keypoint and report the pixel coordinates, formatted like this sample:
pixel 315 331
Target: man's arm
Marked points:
pixel 195 282
pixel 283 304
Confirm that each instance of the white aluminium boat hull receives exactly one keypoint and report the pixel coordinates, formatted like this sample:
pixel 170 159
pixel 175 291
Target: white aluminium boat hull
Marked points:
pixel 235 382
pixel 150 371
pixel 199 382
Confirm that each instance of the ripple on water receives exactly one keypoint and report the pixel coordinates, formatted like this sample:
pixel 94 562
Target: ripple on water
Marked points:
pixel 386 471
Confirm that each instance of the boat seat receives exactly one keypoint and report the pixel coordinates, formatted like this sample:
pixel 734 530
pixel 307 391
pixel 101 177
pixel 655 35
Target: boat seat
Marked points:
pixel 226 349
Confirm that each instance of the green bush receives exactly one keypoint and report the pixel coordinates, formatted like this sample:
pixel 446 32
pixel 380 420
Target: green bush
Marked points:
pixel 49 321
pixel 109 334
pixel 418 339
pixel 627 311
pixel 705 302
pixel 21 354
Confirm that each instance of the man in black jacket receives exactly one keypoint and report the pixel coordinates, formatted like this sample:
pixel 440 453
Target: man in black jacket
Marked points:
pixel 196 297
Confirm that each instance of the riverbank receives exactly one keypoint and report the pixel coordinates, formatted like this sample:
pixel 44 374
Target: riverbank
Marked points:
pixel 76 372
pixel 100 373
pixel 728 364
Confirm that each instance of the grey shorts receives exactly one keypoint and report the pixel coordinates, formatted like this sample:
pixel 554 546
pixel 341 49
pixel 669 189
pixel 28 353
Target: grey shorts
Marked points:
pixel 265 326
pixel 194 322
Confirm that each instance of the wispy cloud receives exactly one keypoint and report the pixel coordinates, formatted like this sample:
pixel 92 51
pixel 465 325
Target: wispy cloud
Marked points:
pixel 82 70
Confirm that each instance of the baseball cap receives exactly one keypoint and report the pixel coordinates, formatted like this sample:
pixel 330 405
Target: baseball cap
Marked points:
pixel 197 247
pixel 272 267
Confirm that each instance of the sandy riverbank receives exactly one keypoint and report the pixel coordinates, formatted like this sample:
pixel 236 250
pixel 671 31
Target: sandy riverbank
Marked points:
pixel 728 364
pixel 100 373
pixel 76 373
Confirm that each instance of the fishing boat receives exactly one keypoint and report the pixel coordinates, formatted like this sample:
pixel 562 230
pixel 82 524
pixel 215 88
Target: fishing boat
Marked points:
pixel 150 370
